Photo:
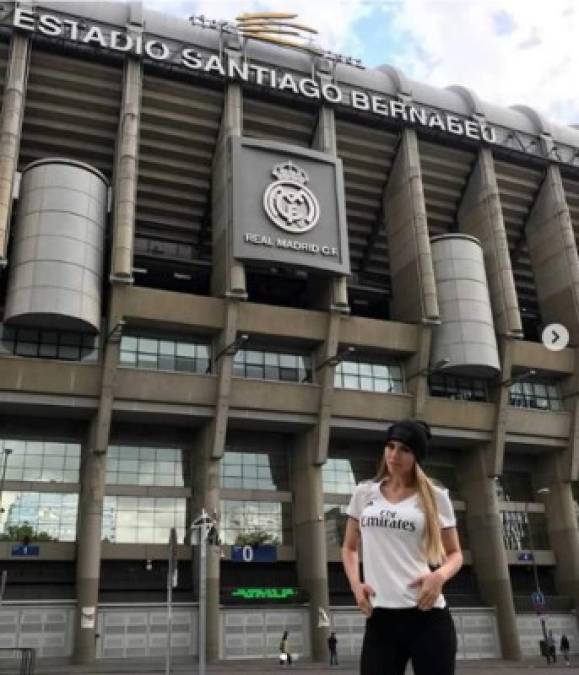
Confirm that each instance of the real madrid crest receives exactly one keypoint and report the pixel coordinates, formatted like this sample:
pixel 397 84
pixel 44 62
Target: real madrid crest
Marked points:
pixel 289 204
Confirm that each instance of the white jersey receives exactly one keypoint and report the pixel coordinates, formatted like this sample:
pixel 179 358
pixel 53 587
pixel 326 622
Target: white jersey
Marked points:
pixel 393 553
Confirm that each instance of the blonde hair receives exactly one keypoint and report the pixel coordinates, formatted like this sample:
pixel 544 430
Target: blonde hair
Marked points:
pixel 432 542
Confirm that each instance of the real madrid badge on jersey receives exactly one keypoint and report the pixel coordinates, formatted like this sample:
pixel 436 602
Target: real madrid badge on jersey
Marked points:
pixel 288 206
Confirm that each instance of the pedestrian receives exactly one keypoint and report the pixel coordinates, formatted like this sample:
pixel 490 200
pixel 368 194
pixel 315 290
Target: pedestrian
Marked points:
pixel 333 647
pixel 551 647
pixel 284 654
pixel 564 648
pixel 404 523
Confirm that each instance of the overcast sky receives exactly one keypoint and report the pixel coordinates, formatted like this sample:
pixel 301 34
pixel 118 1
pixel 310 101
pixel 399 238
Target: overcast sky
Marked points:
pixel 508 51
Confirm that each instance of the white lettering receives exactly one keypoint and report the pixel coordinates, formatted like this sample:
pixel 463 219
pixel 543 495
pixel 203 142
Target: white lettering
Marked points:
pixel 379 105
pixel 261 239
pixel 331 93
pixel 240 70
pixel 472 129
pixel 359 100
pixel 73 28
pixel 214 63
pixel 417 116
pixel 454 125
pixel 398 109
pixel 94 35
pixel 298 245
pixel 50 25
pixel 122 42
pixel 489 134
pixel 273 78
pixel 23 18
pixel 309 88
pixel 288 82
pixel 260 73
pixel 436 121
pixel 330 251
pixel 191 59
pixel 158 50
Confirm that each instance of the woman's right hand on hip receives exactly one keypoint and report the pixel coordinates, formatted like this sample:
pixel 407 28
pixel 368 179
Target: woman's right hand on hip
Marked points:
pixel 363 594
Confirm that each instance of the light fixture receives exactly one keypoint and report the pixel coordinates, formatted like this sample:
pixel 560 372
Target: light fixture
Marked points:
pixel 233 347
pixel 116 332
pixel 434 368
pixel 333 360
pixel 518 378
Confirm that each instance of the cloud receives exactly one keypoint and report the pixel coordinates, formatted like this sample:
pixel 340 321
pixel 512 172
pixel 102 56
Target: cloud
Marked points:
pixel 508 51
pixel 332 19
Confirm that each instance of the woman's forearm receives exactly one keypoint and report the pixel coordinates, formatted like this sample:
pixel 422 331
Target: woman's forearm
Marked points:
pixel 450 566
pixel 351 562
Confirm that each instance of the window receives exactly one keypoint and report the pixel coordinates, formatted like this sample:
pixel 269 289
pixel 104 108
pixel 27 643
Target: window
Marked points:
pixel 445 477
pixel 254 470
pixel 515 486
pixel 272 365
pixel 130 465
pixel 245 517
pixel 48 344
pixel 340 475
pixel 378 377
pixel 458 388
pixel 335 518
pixel 165 354
pixel 536 395
pixel 525 531
pixel 50 515
pixel 41 460
pixel 142 520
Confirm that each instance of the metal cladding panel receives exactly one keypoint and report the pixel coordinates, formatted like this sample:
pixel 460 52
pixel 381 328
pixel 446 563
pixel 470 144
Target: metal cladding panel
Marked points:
pixel 466 336
pixel 57 259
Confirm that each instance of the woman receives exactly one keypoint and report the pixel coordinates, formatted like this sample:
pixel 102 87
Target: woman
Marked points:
pixel 406 525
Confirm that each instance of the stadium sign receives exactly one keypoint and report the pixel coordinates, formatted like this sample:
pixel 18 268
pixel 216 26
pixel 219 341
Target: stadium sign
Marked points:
pixel 192 59
pixel 288 206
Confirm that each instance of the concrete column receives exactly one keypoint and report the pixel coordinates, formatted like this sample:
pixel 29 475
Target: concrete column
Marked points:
pixel 480 215
pixel 569 462
pixel 553 253
pixel 209 447
pixel 90 504
pixel 417 371
pixel 489 557
pixel 126 173
pixel 561 521
pixel 495 450
pixel 414 296
pixel 228 275
pixel 310 534
pixel 206 495
pixel 11 130
pixel 311 452
pixel 325 141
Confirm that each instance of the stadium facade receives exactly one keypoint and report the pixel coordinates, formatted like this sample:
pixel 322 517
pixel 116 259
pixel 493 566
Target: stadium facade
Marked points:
pixel 227 267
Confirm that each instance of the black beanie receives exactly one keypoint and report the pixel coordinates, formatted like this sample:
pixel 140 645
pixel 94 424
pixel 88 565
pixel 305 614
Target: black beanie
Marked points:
pixel 415 434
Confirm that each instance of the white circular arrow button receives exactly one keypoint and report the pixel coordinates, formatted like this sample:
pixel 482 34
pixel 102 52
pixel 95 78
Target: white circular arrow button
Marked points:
pixel 555 337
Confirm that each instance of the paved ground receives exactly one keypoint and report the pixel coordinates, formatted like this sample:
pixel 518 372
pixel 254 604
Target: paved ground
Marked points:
pixel 148 667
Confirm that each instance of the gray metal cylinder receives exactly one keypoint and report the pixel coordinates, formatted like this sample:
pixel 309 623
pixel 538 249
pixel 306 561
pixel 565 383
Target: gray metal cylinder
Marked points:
pixel 466 336
pixel 56 264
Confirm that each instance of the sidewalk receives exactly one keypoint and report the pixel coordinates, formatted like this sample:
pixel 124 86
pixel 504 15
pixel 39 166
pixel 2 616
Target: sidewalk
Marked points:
pixel 157 667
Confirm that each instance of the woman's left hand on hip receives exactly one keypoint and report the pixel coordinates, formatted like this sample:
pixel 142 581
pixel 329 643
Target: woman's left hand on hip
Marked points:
pixel 430 587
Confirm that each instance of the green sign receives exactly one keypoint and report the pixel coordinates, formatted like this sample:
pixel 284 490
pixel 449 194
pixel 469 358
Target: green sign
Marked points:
pixel 283 593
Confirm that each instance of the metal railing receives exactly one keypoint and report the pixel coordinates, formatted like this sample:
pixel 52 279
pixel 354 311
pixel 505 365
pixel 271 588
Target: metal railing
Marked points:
pixel 26 659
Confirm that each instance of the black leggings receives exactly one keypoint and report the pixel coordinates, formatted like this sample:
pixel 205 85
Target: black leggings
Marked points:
pixel 395 636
